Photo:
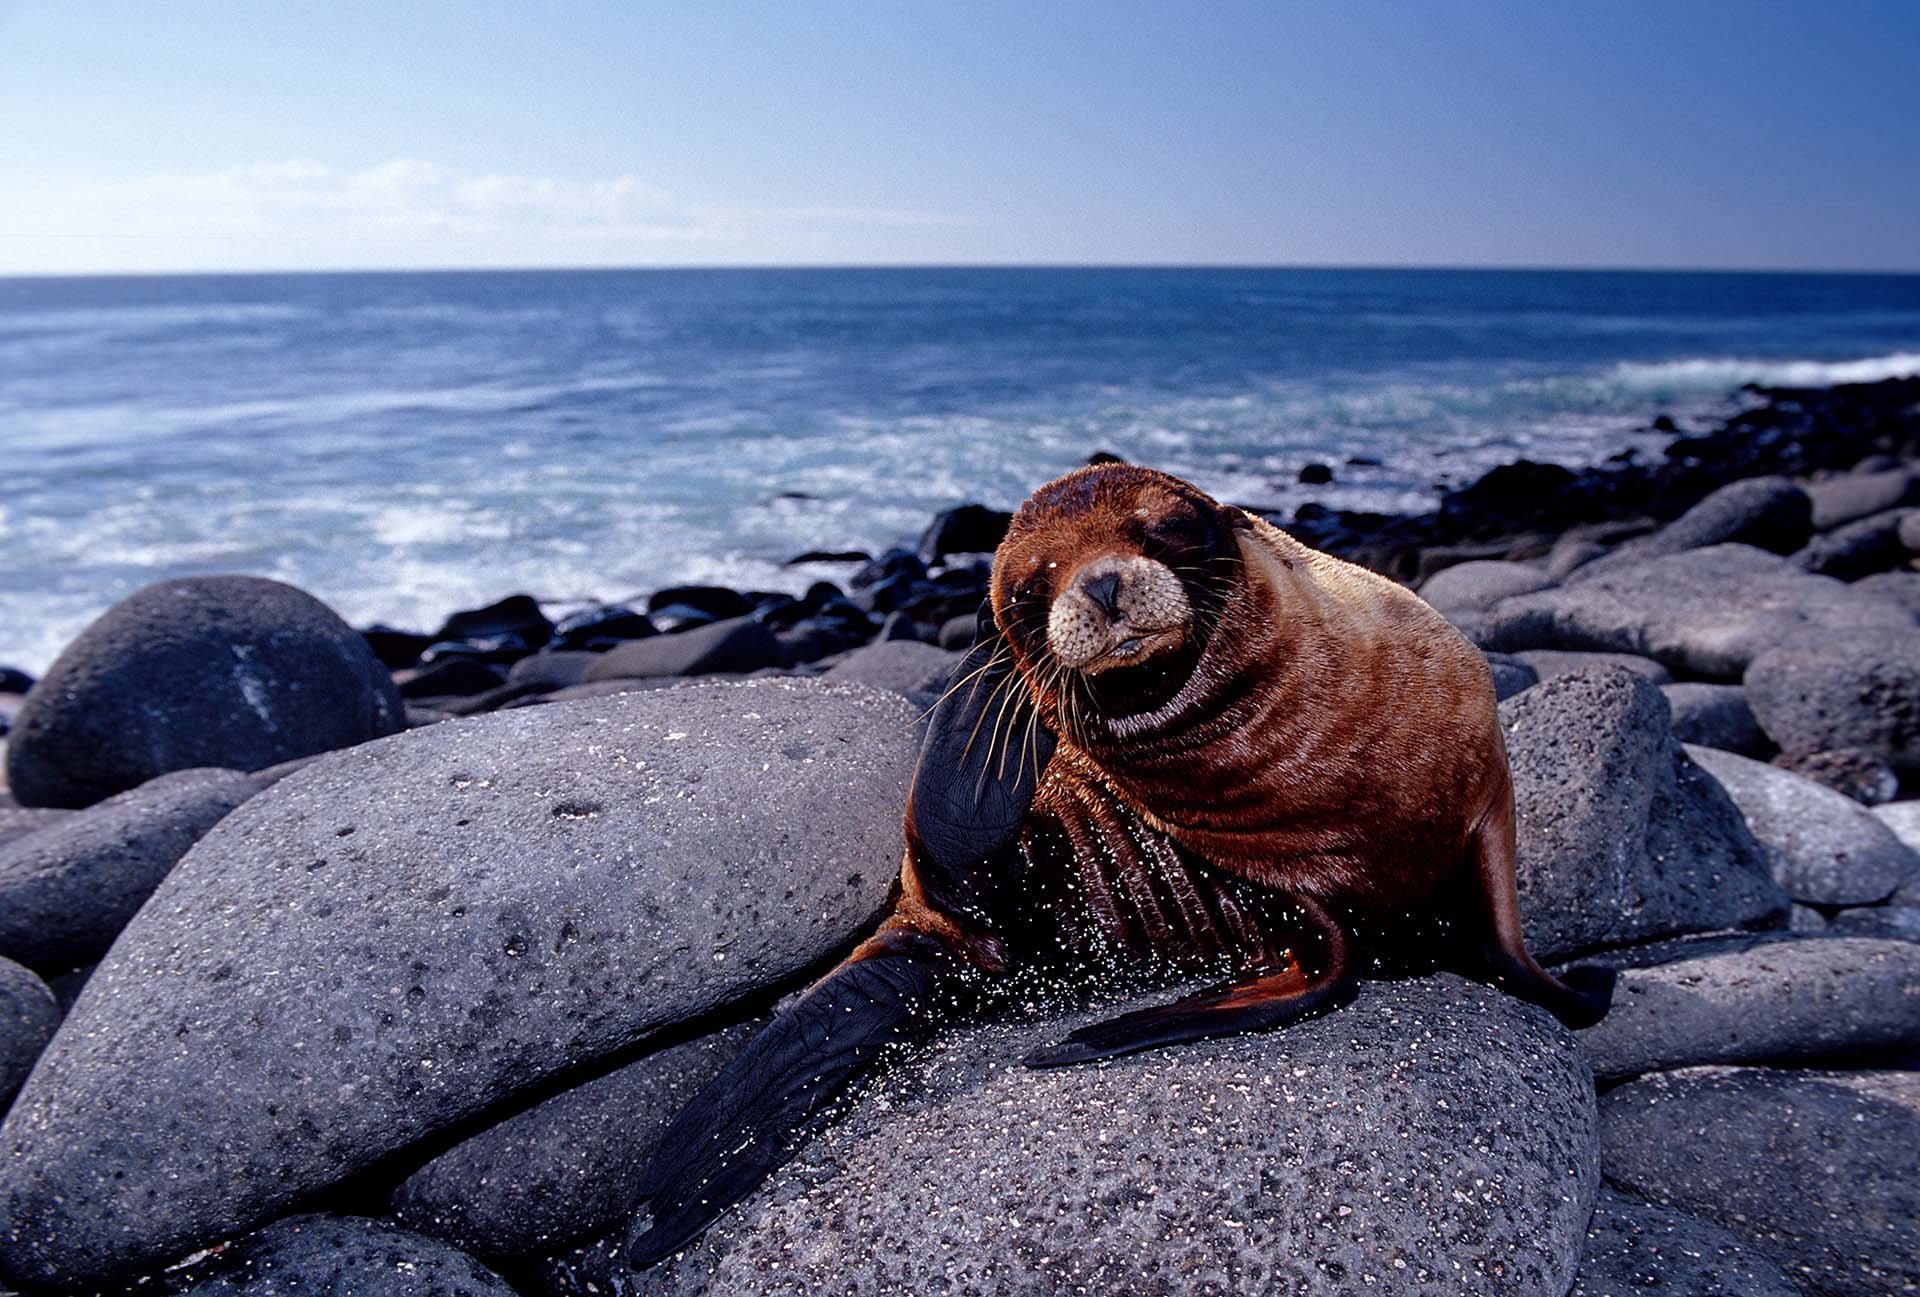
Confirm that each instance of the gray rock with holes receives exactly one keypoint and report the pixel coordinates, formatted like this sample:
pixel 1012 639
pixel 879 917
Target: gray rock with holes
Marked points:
pixel 406 934
pixel 1635 1248
pixel 339 1256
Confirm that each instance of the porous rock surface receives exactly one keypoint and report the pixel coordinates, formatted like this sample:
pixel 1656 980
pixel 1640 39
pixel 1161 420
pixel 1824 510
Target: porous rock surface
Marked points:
pixel 338 1256
pixel 28 1015
pixel 1432 1137
pixel 1622 837
pixel 567 1167
pixel 1816 1169
pixel 1856 689
pixel 66 892
pixel 1705 613
pixel 1635 1248
pixel 407 933
pixel 232 671
pixel 1824 848
pixel 1760 1001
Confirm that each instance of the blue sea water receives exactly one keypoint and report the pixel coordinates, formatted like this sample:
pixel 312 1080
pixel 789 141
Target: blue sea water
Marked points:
pixel 404 444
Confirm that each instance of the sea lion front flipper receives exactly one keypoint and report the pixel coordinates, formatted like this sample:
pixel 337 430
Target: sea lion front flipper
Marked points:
pixel 1266 997
pixel 983 756
pixel 749 1118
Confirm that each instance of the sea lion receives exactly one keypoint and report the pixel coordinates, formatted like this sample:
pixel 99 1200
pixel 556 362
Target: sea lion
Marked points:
pixel 1185 740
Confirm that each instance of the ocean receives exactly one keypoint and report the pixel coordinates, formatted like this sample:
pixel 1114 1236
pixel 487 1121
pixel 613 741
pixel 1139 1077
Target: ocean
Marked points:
pixel 402 445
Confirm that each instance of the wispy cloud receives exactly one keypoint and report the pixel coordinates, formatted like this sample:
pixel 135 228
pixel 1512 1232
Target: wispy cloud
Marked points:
pixel 472 217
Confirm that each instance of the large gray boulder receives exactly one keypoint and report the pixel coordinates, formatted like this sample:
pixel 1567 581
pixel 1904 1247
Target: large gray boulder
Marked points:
pixel 1824 848
pixel 1759 1002
pixel 409 933
pixel 1433 1137
pixel 1548 663
pixel 567 1167
pixel 1899 588
pixel 1705 613
pixel 28 1015
pixel 1768 513
pixel 18 821
pixel 1816 1169
pixel 919 672
pixel 66 892
pixel 1873 544
pixel 1621 837
pixel 1635 1248
pixel 1852 496
pixel 1903 818
pixel 735 646
pixel 232 671
pixel 1478 585
pixel 1854 689
pixel 337 1256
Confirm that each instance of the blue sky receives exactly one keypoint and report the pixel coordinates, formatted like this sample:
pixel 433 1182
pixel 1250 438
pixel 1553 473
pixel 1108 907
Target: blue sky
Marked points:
pixel 186 136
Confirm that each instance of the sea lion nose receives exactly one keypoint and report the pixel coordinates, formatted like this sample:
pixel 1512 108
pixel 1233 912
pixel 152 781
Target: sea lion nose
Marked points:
pixel 1104 590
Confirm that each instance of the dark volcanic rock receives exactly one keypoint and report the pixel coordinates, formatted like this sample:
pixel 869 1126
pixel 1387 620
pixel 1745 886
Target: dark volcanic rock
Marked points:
pixel 1510 675
pixel 1816 1169
pixel 1860 548
pixel 1433 1137
pixel 969 529
pixel 1861 776
pixel 918 672
pixel 337 1256
pixel 65 893
pixel 510 628
pixel 19 821
pixel 1851 688
pixel 1479 585
pixel 1315 474
pixel 566 1168
pixel 716 601
pixel 396 649
pixel 406 934
pixel 601 627
pixel 1760 1003
pixel 1825 849
pixel 729 647
pixel 1768 513
pixel 1716 716
pixel 232 671
pixel 1707 612
pixel 451 677
pixel 1549 663
pixel 552 669
pixel 28 1015
pixel 1902 589
pixel 1621 837
pixel 1635 1248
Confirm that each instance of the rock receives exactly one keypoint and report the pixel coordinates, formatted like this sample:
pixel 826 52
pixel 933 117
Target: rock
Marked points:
pixel 509 629
pixel 1853 688
pixel 396 649
pixel 1852 496
pixel 1824 848
pixel 231 671
pixel 1570 554
pixel 1859 776
pixel 733 647
pixel 553 669
pixel 716 601
pixel 449 678
pixel 918 672
pixel 565 1168
pixel 1621 837
pixel 337 1256
pixel 1768 513
pixel 66 892
pixel 1316 474
pixel 1763 1003
pixel 1890 921
pixel 1816 1169
pixel 1510 675
pixel 1901 589
pixel 19 821
pixel 958 634
pixel 1705 613
pixel 1904 819
pixel 1716 716
pixel 895 562
pixel 1860 548
pixel 28 1015
pixel 969 529
pixel 1634 1248
pixel 407 934
pixel 900 626
pixel 600 627
pixel 1432 1137
pixel 1479 585
pixel 1549 663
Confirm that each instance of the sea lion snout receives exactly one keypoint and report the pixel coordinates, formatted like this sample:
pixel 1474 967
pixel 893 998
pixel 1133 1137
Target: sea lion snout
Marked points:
pixel 1117 610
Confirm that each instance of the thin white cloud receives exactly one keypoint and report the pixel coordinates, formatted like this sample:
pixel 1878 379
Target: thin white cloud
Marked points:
pixel 265 210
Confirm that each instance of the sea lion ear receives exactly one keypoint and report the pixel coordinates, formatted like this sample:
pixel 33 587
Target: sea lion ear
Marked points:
pixel 981 761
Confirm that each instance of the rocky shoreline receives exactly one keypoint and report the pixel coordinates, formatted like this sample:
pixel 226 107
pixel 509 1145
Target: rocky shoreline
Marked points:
pixel 374 961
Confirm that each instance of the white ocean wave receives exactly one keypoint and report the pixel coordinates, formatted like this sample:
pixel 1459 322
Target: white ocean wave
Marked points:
pixel 1727 373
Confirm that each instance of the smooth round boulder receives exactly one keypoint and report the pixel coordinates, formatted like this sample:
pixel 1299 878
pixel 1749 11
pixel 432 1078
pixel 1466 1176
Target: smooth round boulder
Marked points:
pixel 1823 847
pixel 735 646
pixel 409 933
pixel 1478 585
pixel 1858 689
pixel 1816 1169
pixel 1716 716
pixel 1635 1248
pixel 1431 1137
pixel 1769 513
pixel 28 1015
pixel 915 671
pixel 1548 663
pixel 232 671
pixel 66 892
pixel 337 1256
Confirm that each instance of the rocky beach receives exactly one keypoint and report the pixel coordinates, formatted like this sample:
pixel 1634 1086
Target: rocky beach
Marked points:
pixel 374 960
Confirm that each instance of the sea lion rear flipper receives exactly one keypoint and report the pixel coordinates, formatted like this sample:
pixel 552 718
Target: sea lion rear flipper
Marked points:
pixel 983 756
pixel 1267 997
pixel 749 1118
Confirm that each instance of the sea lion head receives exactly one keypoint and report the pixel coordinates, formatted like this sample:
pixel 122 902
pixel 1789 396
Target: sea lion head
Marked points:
pixel 1107 584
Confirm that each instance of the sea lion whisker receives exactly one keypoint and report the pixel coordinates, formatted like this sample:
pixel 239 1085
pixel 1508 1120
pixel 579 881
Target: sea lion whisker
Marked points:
pixel 994 660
